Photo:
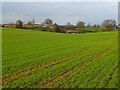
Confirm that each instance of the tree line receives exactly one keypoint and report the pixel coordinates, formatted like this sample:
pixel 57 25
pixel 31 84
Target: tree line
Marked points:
pixel 48 25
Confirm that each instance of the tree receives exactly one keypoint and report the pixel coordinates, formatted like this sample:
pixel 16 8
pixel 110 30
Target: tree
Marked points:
pixel 98 25
pixel 30 22
pixel 18 24
pixel 44 27
pixel 88 25
pixel 94 25
pixel 48 21
pixel 57 28
pixel 95 28
pixel 109 24
pixel 11 24
pixel 41 25
pixel 69 26
pixel 80 24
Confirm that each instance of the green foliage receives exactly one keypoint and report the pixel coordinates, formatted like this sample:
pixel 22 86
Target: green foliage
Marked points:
pixel 57 28
pixel 92 29
pixel 35 59
pixel 108 28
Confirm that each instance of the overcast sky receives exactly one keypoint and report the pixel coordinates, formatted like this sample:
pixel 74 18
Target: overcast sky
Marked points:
pixel 59 0
pixel 60 12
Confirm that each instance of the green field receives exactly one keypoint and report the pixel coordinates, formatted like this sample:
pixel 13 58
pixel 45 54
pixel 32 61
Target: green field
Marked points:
pixel 35 59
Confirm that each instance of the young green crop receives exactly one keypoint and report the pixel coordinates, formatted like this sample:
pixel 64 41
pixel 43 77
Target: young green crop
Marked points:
pixel 38 59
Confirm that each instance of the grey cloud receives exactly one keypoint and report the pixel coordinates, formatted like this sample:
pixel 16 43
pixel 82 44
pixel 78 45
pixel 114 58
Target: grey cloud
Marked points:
pixel 93 12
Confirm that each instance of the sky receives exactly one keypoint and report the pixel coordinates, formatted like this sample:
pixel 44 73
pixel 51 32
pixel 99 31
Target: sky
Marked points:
pixel 59 0
pixel 60 12
pixel 119 13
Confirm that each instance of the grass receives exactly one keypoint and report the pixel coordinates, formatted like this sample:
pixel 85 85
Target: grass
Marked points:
pixel 35 59
pixel 0 58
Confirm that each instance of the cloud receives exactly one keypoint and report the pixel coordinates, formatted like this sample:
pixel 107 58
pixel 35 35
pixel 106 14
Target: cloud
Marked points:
pixel 61 13
pixel 60 0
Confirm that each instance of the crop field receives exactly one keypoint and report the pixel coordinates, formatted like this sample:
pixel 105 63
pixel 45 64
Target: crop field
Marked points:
pixel 35 59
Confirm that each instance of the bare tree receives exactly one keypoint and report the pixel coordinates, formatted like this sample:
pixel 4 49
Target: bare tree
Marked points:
pixel 89 25
pixel 18 24
pixel 68 26
pixel 11 24
pixel 80 24
pixel 109 24
pixel 48 21
pixel 41 25
pixel 30 22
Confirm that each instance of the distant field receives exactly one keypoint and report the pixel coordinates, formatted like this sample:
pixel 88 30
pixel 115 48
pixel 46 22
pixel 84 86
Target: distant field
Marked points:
pixel 35 59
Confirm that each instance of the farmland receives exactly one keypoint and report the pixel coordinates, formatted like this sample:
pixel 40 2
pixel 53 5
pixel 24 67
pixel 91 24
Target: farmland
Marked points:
pixel 35 59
